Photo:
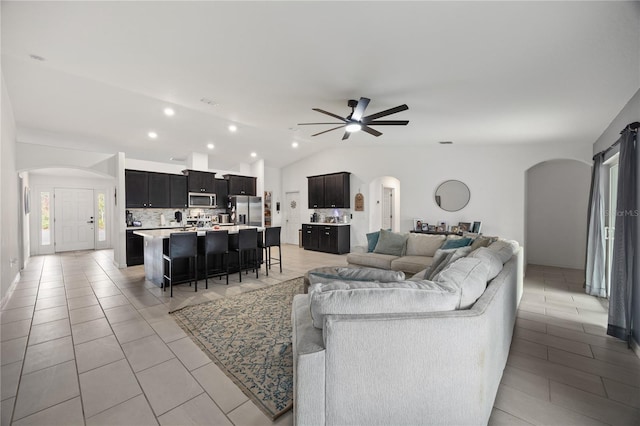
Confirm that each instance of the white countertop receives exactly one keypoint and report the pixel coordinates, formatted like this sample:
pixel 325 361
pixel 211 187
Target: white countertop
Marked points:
pixel 139 228
pixel 327 224
pixel 165 233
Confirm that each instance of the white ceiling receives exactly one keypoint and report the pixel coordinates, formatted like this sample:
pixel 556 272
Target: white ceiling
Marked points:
pixel 471 72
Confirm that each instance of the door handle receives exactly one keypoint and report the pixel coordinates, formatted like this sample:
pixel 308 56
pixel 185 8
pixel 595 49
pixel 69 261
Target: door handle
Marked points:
pixel 89 221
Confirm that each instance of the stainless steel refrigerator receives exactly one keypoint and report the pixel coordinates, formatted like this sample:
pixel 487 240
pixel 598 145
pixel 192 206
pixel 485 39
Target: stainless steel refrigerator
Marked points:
pixel 246 210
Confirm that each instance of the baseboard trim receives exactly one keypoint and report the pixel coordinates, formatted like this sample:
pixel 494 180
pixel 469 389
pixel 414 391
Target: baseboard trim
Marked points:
pixel 635 347
pixel 10 290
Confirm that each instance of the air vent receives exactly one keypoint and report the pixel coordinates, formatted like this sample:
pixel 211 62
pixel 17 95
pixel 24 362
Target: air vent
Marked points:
pixel 446 142
pixel 208 101
pixel 178 159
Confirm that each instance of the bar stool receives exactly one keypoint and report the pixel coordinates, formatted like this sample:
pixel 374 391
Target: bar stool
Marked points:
pixel 247 243
pixel 182 245
pixel 272 239
pixel 216 242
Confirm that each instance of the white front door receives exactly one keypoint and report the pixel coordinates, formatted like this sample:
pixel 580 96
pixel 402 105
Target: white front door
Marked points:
pixel 74 219
pixel 292 217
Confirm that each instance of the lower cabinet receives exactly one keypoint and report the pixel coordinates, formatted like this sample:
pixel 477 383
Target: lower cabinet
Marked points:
pixel 135 249
pixel 327 238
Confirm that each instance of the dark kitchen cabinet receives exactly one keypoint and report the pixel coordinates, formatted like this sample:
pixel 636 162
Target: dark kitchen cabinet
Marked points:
pixel 241 185
pixel 221 187
pixel 198 181
pixel 136 185
pixel 179 198
pixel 316 192
pixel 310 235
pixel 329 191
pixel 135 249
pixel 159 190
pixel 327 238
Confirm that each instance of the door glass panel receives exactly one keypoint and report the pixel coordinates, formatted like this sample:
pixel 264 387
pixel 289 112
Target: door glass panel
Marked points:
pixel 45 229
pixel 102 226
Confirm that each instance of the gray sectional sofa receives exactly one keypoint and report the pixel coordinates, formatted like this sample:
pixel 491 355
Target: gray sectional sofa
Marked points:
pixel 371 353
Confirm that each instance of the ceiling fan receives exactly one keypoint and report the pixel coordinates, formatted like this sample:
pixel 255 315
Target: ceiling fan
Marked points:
pixel 355 121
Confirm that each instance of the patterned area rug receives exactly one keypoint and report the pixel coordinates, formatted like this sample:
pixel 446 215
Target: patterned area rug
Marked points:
pixel 249 337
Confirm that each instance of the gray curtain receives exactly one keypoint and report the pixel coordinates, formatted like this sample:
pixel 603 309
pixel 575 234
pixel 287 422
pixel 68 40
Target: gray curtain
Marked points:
pixel 595 281
pixel 624 258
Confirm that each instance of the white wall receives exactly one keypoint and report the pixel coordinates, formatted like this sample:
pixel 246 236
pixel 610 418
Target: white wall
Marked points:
pixel 628 114
pixel 12 211
pixel 495 175
pixel 556 215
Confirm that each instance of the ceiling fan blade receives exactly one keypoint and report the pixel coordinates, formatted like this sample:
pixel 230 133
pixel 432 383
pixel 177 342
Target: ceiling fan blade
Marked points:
pixel 308 124
pixel 358 112
pixel 316 134
pixel 388 123
pixel 330 113
pixel 371 131
pixel 384 113
pixel 346 135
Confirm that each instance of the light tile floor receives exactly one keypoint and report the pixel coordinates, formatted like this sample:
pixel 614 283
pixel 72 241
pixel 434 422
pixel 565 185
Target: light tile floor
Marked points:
pixel 83 342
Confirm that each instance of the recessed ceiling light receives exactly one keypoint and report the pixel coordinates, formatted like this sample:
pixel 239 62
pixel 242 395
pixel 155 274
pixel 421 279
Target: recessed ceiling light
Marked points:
pixel 446 142
pixel 210 145
pixel 295 144
pixel 233 127
pixel 152 135
pixel 36 57
pixel 253 154
pixel 169 112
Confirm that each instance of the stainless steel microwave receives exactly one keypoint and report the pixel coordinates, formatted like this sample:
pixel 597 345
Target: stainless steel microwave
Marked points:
pixel 199 199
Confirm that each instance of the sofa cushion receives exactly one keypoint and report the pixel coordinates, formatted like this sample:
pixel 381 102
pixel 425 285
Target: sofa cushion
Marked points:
pixel 391 243
pixel 491 258
pixel 373 260
pixel 482 241
pixel 423 244
pixel 370 274
pixel 372 240
pixel 358 297
pixel 469 275
pixel 410 264
pixel 443 258
pixel 457 243
pixel 505 249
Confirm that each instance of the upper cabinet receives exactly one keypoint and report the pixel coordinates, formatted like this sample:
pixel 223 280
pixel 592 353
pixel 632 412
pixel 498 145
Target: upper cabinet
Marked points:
pixel 198 181
pixel 136 184
pixel 330 191
pixel 222 192
pixel 179 197
pixel 154 190
pixel 241 185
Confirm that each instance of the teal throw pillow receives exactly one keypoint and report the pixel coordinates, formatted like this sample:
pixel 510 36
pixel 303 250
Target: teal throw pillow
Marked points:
pixel 372 240
pixel 457 243
pixel 391 243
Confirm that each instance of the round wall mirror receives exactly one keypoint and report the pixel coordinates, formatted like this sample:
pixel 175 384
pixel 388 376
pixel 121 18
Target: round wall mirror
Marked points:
pixel 452 195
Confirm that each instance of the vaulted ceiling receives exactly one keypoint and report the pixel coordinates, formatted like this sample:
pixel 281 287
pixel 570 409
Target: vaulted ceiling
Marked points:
pixel 97 75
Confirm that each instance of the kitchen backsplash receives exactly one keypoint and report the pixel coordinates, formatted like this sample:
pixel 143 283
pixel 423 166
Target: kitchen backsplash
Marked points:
pixel 151 217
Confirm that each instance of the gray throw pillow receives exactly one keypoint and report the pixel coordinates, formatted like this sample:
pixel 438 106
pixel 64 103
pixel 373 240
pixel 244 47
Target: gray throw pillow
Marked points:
pixel 391 243
pixel 450 256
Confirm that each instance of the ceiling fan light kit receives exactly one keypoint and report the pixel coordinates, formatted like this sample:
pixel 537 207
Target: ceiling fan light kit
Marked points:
pixel 355 121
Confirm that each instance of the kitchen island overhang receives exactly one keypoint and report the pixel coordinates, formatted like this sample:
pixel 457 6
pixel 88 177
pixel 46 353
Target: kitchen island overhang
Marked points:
pixel 156 243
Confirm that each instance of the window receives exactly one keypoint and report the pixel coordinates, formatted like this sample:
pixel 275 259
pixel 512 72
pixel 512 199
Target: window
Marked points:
pixel 102 226
pixel 45 225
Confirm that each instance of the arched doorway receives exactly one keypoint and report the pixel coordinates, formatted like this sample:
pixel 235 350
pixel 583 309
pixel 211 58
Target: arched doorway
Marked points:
pixel 557 194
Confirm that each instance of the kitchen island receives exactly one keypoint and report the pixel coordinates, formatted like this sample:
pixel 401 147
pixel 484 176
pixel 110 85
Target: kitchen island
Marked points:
pixel 156 243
